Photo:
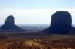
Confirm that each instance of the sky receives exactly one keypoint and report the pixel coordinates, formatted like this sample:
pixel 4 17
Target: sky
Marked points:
pixel 34 11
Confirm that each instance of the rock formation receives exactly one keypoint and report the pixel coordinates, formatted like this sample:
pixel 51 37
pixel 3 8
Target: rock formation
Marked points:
pixel 10 26
pixel 61 23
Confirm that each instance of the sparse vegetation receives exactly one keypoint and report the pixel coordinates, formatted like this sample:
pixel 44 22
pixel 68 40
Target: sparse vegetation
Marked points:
pixel 38 42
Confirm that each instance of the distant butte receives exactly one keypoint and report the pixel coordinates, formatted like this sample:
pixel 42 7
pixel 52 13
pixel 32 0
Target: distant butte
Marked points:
pixel 61 23
pixel 10 26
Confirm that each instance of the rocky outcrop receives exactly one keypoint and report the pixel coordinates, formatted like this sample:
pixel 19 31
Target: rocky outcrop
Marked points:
pixel 10 26
pixel 61 23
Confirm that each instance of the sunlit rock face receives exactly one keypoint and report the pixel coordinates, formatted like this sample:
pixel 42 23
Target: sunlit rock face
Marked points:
pixel 61 23
pixel 10 25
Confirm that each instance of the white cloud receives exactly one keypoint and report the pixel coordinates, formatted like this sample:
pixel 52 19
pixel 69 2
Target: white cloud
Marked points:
pixel 32 16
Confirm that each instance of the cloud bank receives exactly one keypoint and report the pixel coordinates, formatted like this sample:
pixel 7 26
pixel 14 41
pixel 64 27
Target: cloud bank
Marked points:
pixel 32 16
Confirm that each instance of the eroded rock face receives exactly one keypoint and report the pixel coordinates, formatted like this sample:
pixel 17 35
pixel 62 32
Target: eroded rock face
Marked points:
pixel 10 25
pixel 61 23
pixel 10 20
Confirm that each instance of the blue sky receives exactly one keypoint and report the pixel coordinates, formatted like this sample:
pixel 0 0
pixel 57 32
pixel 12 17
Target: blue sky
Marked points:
pixel 34 11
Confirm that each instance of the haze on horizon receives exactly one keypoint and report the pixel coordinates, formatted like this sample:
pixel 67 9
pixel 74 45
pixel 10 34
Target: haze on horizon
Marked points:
pixel 34 11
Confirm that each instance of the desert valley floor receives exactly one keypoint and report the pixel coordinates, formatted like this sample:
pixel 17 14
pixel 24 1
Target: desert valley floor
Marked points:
pixel 19 41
